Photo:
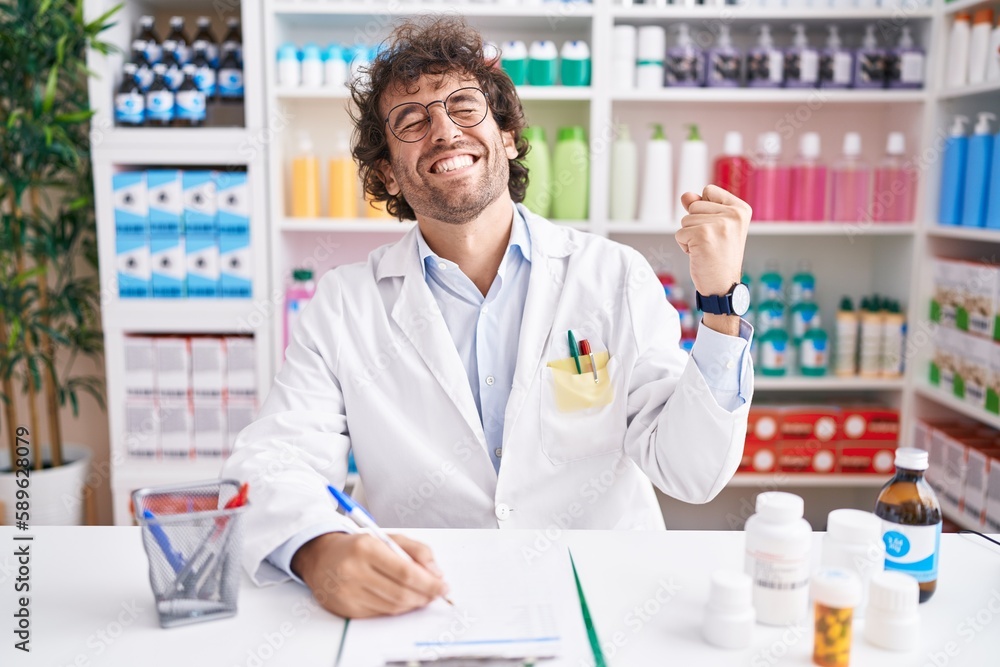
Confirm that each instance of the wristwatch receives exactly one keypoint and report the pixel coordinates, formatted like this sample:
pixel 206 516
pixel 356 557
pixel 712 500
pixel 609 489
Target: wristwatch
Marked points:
pixel 734 302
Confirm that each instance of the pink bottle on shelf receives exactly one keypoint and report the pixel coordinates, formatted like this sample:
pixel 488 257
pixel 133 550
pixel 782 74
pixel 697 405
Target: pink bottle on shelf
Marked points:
pixel 895 184
pixel 850 192
pixel 297 296
pixel 808 182
pixel 770 180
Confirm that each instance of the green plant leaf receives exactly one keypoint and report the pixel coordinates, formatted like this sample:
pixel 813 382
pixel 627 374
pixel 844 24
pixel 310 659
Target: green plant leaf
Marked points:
pixel 75 117
pixel 50 89
pixel 44 7
pixel 97 25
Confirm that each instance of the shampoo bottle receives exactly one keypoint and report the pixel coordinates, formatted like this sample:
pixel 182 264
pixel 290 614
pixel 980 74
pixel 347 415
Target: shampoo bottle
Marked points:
pixel 993 203
pixel 685 63
pixel 836 64
pixel 905 64
pixel 770 180
pixel 801 61
pixel 657 178
pixel 765 62
pixel 289 68
pixel 847 339
pixel 692 175
pixel 623 60
pixel 733 171
pixel 979 42
pixel 957 64
pixel 977 172
pixel 514 61
pixel 850 193
pixel 869 66
pixel 571 162
pixel 542 57
pixel 952 194
pixel 624 184
pixel 312 67
pixel 574 66
pixel 649 57
pixel 538 197
pixel 724 62
pixel 808 176
pixel 334 68
pixel 305 180
pixel 895 183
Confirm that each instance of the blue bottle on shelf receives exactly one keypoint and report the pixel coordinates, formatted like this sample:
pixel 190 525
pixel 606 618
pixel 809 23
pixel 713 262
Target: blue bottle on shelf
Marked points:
pixel 993 205
pixel 977 173
pixel 956 151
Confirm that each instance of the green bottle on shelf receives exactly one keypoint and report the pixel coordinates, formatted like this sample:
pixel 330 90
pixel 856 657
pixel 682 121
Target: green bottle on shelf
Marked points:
pixel 538 196
pixel 571 175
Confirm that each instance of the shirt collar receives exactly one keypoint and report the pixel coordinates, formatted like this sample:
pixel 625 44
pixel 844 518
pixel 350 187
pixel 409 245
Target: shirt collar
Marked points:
pixel 520 238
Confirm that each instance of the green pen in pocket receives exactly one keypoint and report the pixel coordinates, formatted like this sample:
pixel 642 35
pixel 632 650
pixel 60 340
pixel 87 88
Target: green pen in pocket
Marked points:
pixel 575 352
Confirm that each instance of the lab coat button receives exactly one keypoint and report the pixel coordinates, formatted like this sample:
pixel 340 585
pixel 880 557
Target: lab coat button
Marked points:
pixel 730 363
pixel 485 310
pixel 503 511
pixel 489 380
pixel 498 451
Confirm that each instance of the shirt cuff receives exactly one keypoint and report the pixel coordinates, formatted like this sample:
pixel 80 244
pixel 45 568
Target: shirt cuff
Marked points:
pixel 724 363
pixel 281 557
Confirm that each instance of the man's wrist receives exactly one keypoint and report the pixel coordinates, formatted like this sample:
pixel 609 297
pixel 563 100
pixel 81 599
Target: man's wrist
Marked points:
pixel 724 324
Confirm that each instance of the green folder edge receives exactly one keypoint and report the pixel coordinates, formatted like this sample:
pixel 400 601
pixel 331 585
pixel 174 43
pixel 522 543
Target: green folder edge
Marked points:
pixel 595 643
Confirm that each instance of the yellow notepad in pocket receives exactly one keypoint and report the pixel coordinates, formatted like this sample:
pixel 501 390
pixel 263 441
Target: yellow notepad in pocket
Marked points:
pixel 577 391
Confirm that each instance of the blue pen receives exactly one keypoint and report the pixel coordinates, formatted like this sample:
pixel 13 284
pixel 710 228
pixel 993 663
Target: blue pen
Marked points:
pixel 174 558
pixel 360 516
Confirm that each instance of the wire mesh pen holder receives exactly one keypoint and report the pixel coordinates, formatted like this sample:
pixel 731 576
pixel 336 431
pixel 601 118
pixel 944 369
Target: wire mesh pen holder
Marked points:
pixel 193 549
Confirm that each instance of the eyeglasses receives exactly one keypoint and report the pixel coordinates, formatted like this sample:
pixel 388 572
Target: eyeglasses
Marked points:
pixel 411 121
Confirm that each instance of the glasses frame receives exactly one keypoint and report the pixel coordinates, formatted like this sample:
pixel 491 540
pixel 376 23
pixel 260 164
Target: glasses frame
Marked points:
pixel 444 105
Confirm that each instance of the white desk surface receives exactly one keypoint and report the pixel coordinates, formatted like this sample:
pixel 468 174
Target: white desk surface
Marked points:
pixel 91 604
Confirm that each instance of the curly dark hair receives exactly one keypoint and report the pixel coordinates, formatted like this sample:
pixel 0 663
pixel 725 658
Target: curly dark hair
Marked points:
pixel 431 45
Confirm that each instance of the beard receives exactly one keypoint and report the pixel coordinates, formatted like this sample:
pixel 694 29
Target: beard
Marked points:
pixel 459 200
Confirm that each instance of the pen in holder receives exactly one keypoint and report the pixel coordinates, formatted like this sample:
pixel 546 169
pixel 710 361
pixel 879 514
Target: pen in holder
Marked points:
pixel 193 555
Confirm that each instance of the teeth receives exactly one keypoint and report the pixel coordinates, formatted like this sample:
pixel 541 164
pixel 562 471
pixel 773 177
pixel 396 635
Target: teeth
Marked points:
pixel 452 163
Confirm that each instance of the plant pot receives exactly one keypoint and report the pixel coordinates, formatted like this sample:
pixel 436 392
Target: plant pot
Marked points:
pixel 55 494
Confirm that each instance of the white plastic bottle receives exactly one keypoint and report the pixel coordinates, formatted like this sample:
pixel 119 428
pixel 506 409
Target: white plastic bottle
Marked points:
pixel 657 198
pixel 778 541
pixel 979 41
pixel 692 174
pixel 957 65
pixel 289 69
pixel 993 58
pixel 624 177
pixel 853 541
pixel 334 67
pixel 651 50
pixel 623 57
pixel 312 67
pixel 869 357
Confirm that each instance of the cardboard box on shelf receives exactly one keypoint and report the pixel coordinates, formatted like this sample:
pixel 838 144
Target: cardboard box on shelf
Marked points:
pixel 972 369
pixel 992 503
pixel 168 266
pixel 993 387
pixel 977 310
pixel 233 197
pixel 131 205
pixel 134 270
pixel 235 275
pixel 142 428
pixel 241 367
pixel 869 422
pixel 945 300
pixel 807 456
pixel 873 457
pixel 139 354
pixel 240 413
pixel 203 279
pixel 821 423
pixel 946 359
pixel 980 460
pixel 166 202
pixel 176 433
pixel 209 427
pixel 173 367
pixel 759 457
pixel 208 366
pixel 936 474
pixel 200 215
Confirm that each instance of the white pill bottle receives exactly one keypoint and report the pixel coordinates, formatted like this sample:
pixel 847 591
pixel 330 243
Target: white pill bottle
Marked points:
pixel 778 541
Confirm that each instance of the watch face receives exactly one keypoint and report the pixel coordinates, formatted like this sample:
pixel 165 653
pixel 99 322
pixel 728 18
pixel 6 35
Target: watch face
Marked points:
pixel 741 299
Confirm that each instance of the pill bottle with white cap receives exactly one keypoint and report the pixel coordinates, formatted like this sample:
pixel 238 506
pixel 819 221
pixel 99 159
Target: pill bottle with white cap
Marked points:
pixel 893 622
pixel 853 541
pixel 729 615
pixel 778 540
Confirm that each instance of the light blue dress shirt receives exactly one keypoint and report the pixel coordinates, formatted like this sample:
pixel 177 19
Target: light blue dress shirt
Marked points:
pixel 485 331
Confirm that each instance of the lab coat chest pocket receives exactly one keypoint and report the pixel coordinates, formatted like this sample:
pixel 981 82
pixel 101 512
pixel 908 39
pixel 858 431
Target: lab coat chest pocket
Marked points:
pixel 581 419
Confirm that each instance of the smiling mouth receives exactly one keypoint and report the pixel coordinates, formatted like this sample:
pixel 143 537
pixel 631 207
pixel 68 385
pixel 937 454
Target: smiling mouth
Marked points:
pixel 452 164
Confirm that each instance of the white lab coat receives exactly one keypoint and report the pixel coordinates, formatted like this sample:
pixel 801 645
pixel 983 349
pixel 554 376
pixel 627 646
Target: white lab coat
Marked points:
pixel 372 365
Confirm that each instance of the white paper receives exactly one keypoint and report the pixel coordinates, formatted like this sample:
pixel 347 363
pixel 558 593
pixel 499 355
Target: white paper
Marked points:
pixel 510 600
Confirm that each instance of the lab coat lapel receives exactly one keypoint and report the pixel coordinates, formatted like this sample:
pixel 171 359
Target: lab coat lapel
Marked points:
pixel 418 316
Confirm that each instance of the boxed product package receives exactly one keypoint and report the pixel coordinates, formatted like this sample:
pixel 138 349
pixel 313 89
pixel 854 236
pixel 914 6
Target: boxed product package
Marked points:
pixel 241 367
pixel 977 310
pixel 233 199
pixel 235 280
pixel 809 422
pixel 240 413
pixel 169 266
pixel 815 456
pixel 869 436
pixel 142 428
pixel 173 367
pixel 134 273
pixel 140 366
pixel 203 274
pixel 760 450
pixel 176 432
pixel 993 387
pixel 980 460
pixel 200 217
pixel 131 206
pixel 947 290
pixel 208 366
pixel 166 207
pixel 993 497
pixel 955 455
pixel 936 474
pixel 209 427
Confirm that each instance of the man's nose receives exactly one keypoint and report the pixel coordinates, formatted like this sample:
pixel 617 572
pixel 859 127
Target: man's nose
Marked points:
pixel 443 128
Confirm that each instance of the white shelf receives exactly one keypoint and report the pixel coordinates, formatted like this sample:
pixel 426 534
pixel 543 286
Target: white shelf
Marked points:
pixel 940 397
pixel 848 229
pixel 526 93
pixel 575 9
pixel 804 383
pixel 770 480
pixel 771 96
pixel 966 5
pixel 964 233
pixel 180 315
pixel 374 225
pixel 733 13
pixel 199 141
pixel 970 91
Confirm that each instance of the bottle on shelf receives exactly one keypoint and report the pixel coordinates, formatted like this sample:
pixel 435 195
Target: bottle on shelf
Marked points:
pixel 803 283
pixel 143 68
pixel 174 75
pixel 977 172
pixel 542 63
pixel 893 338
pixel 624 177
pixel 150 42
pixel 574 63
pixel 869 64
pixel 343 180
pixel 312 66
pixel 538 197
pixel 801 61
pixel 130 105
pixel 956 156
pixel 571 161
pixel 895 183
pixel 814 353
pixel 979 42
pixel 360 58
pixel 692 174
pixel 836 63
pixel 993 202
pixel 159 99
pixel 904 65
pixel 514 61
pixel 850 191
pixel 993 54
pixel 204 74
pixel 765 62
pixel 657 203
pixel 847 339
pixel 230 79
pixel 911 521
pixel 189 101
pixel 649 57
pixel 233 40
pixel 870 348
pixel 957 64
pixel 305 180
pixel 805 316
pixel 204 40
pixel 177 41
pixel 724 62
pixel 808 182
pixel 684 65
pixel 334 68
pixel 771 286
pixel 771 180
pixel 297 296
pixel 733 172
pixel 289 67
pixel 623 58
pixel 774 353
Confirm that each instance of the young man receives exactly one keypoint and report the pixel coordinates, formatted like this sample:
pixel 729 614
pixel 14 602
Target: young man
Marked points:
pixel 444 360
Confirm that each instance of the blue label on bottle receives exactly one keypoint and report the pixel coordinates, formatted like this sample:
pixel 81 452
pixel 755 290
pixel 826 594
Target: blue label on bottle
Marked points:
pixel 204 79
pixel 231 83
pixel 130 109
pixel 912 549
pixel 160 105
pixel 191 105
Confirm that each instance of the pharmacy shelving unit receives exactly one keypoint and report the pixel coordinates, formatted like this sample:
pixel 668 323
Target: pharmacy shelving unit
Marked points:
pixel 241 147
pixel 854 259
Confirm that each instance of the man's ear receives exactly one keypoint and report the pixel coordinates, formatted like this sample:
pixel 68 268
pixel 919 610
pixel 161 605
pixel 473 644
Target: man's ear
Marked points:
pixel 388 177
pixel 508 144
